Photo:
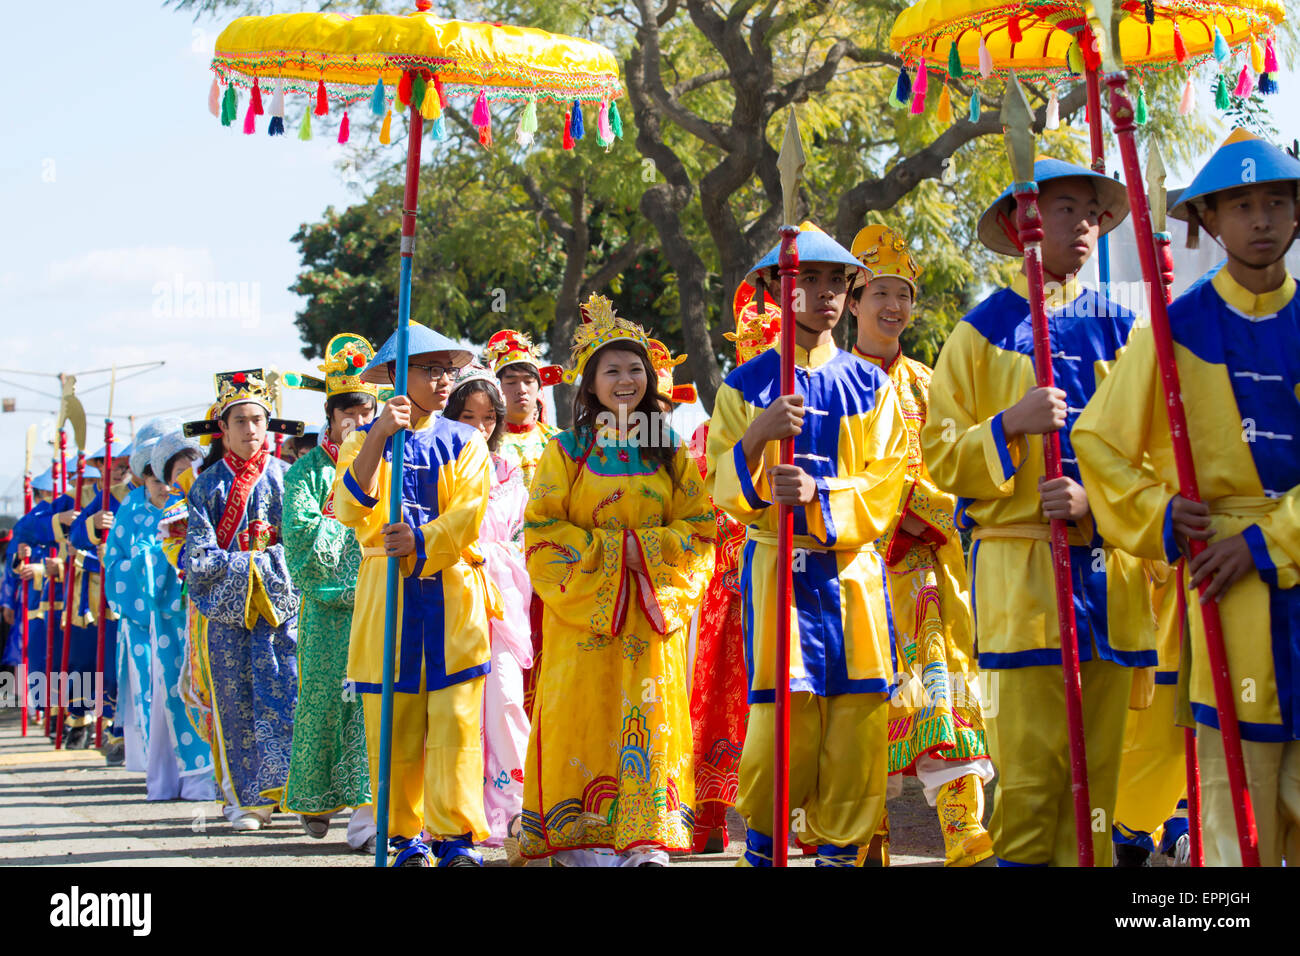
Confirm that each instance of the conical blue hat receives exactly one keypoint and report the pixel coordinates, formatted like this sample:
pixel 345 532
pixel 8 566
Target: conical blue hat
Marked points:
pixel 1243 160
pixel 1111 194
pixel 813 245
pixel 44 481
pixel 421 341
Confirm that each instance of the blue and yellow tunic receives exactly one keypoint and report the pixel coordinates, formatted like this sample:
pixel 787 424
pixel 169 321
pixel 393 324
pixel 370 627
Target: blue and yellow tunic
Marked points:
pixel 1238 360
pixel 442 603
pixel 987 366
pixel 854 445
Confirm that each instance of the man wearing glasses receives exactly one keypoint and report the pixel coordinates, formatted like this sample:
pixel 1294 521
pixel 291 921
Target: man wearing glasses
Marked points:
pixel 443 645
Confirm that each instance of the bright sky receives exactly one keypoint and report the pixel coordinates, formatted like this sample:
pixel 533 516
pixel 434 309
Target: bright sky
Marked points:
pixel 116 183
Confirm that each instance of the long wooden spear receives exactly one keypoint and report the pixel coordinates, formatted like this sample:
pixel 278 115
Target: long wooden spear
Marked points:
pixel 790 162
pixel 101 613
pixel 1123 119
pixel 1017 119
pixel 1158 200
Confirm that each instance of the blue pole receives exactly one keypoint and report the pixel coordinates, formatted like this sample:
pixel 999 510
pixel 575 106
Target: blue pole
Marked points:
pixel 395 488
pixel 1103 263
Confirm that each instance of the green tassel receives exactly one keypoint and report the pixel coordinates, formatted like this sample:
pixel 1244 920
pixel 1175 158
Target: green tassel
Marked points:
pixel 1221 95
pixel 304 131
pixel 615 121
pixel 229 106
pixel 975 107
pixel 528 122
pixel 1141 115
pixel 417 90
pixel 955 70
pixel 894 101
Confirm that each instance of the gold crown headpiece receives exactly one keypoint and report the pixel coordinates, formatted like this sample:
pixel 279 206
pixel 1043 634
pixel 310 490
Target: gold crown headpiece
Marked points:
pixel 600 326
pixel 884 252
pixel 345 356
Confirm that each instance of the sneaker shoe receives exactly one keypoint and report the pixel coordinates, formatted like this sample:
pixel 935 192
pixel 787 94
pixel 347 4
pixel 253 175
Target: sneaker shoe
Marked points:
pixel 246 823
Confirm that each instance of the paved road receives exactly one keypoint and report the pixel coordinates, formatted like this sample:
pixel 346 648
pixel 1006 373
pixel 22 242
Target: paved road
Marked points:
pixel 67 808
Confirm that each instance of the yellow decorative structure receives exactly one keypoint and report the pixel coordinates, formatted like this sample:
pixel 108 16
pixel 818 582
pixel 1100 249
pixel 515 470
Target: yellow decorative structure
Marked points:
pixel 664 363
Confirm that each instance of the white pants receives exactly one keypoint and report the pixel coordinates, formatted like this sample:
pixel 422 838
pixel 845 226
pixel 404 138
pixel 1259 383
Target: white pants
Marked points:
pixel 163 779
pixel 934 773
pixel 610 858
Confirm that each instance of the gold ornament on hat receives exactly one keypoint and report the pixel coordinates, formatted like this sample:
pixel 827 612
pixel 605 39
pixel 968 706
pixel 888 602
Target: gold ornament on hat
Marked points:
pixel 884 252
pixel 600 326
pixel 345 356
pixel 664 363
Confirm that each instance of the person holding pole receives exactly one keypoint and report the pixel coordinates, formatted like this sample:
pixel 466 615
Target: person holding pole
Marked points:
pixel 985 407
pixel 1234 341
pixel 443 602
pixel 850 454
pixel 25 561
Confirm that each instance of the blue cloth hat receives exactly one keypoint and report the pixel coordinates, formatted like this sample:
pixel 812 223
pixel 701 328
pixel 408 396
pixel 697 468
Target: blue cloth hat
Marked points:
pixel 1243 160
pixel 813 245
pixel 148 435
pixel 1111 194
pixel 44 481
pixel 118 452
pixel 169 445
pixel 421 341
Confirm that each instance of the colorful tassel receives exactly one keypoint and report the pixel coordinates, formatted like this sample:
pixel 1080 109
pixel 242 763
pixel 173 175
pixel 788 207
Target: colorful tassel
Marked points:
pixel 1221 50
pixel 1074 56
pixel 944 111
pixel 955 69
pixel 404 89
pixel 229 106
pixel 1188 101
pixel 1267 85
pixel 919 89
pixel 1149 11
pixel 485 136
pixel 1270 56
pixel 481 115
pixel 277 100
pixel 576 126
pixel 276 126
pixel 1013 30
pixel 1180 48
pixel 322 101
pixel 344 129
pixel 378 102
pixel 1052 118
pixel 894 101
pixel 523 136
pixel 528 122
pixel 257 98
pixel 615 121
pixel 1256 56
pixel 567 139
pixel 417 92
pixel 1245 85
pixel 986 59
pixel 442 95
pixel 975 107
pixel 1140 114
pixel 385 131
pixel 438 128
pixel 249 118
pixel 304 131
pixel 214 98
pixel 604 135
pixel 903 87
pixel 1221 94
pixel 430 108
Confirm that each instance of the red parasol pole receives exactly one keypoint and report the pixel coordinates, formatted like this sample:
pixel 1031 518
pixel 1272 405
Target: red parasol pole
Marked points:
pixel 69 602
pixel 1122 117
pixel 1193 766
pixel 51 618
pixel 102 611
pixel 26 586
pixel 1016 118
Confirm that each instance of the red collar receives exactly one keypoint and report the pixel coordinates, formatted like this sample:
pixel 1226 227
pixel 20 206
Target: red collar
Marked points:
pixel 514 429
pixel 885 366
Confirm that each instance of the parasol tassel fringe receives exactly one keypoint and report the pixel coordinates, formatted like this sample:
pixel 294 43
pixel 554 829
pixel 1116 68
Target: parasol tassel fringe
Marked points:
pixel 1074 57
pixel 404 89
pixel 604 135
pixel 438 128
pixel 1052 118
pixel 304 130
pixel 1270 56
pixel 322 101
pixel 1014 33
pixel 955 70
pixel 250 117
pixel 920 88
pixel 567 139
pixel 1188 101
pixel 944 111
pixel 1221 51
pixel 229 105
pixel 344 130
pixel 986 59
pixel 1245 85
pixel 277 101
pixel 1140 114
pixel 1221 94
pixel 975 107
pixel 1149 11
pixel 214 98
pixel 257 98
pixel 528 122
pixel 430 108
pixel 576 127
pixel 1256 56
pixel 903 86
pixel 276 126
pixel 1267 85
pixel 481 115
pixel 1180 48
pixel 378 102
pixel 385 131
pixel 615 120
pixel 442 94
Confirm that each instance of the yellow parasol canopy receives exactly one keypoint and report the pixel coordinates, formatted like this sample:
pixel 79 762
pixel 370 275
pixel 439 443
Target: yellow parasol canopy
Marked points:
pixel 345 59
pixel 1047 29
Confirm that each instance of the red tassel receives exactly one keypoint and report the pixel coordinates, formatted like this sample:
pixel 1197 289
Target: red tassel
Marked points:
pixel 404 89
pixel 1180 48
pixel 248 119
pixel 343 128
pixel 437 85
pixel 1013 30
pixel 322 104
pixel 485 136
pixel 257 98
pixel 568 134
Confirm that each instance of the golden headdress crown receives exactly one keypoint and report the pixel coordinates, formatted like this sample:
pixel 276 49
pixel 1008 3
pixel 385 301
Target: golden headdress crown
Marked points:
pixel 345 356
pixel 600 326
pixel 244 385
pixel 755 332
pixel 884 252
pixel 664 363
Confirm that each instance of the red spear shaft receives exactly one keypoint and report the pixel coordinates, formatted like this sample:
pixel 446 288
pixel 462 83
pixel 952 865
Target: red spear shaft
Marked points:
pixel 22 660
pixel 1031 234
pixel 51 619
pixel 69 602
pixel 1122 117
pixel 1193 766
pixel 102 611
pixel 789 270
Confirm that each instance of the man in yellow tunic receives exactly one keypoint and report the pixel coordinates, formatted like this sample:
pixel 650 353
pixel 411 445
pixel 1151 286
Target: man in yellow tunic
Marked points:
pixel 981 443
pixel 850 452
pixel 1235 341
pixel 619 538
pixel 443 648
pixel 936 730
pixel 517 364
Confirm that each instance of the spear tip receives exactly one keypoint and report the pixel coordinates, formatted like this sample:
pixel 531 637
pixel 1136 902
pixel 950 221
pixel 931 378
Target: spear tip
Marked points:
pixel 790 162
pixel 1017 123
pixel 1156 193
